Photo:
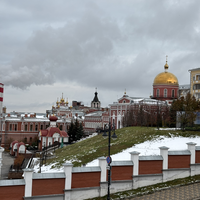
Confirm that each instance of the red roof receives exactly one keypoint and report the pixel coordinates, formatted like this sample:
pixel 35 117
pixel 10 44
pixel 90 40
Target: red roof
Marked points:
pixel 21 143
pixel 51 130
pixel 14 142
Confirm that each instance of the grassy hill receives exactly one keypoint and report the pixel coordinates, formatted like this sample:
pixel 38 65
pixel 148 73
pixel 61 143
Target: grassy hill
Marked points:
pixel 87 150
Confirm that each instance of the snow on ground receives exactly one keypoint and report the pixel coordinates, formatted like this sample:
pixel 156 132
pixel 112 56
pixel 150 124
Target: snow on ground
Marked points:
pixel 152 148
pixel 146 148
pixel 46 169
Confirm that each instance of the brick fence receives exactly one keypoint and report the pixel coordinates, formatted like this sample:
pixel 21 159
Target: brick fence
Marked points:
pixel 88 182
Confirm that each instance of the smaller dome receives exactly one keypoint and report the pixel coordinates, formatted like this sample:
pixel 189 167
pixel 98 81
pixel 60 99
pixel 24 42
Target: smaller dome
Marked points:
pixel 62 100
pixel 166 66
pixel 53 118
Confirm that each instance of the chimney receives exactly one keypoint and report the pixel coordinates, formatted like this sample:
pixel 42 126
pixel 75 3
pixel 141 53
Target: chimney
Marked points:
pixel 1 97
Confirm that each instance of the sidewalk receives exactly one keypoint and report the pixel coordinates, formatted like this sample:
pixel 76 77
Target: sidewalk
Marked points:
pixel 187 192
pixel 7 162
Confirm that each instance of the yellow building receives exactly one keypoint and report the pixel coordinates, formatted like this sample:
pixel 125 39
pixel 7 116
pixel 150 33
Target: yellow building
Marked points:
pixel 195 82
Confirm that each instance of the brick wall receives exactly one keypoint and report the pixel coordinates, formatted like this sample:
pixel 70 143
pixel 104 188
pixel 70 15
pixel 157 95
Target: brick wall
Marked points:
pixel 48 186
pixel 178 161
pixel 12 192
pixel 86 179
pixel 150 167
pixel 197 157
pixel 122 173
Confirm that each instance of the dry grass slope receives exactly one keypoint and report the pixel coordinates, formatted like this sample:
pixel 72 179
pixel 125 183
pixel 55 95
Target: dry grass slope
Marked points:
pixel 85 151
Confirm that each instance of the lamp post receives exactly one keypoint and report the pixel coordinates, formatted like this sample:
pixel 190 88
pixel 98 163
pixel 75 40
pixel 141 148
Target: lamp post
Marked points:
pixel 109 160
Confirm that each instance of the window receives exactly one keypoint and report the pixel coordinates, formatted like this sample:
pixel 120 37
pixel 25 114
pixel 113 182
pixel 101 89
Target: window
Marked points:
pixel 15 127
pixel 36 127
pixel 26 127
pixel 31 127
pixel 31 139
pixel 196 87
pixel 25 139
pixel 165 92
pixel 10 127
pixel 173 93
pixel 61 127
pixel 41 127
pixel 124 101
pixel 193 78
pixel 154 93
pixel 158 93
pixel 47 126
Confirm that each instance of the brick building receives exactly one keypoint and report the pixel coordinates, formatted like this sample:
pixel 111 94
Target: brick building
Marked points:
pixel 124 104
pixel 26 126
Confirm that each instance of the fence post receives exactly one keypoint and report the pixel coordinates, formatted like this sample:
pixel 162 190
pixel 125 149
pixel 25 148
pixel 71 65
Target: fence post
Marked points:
pixel 135 159
pixel 102 164
pixel 191 147
pixel 28 176
pixel 164 154
pixel 193 168
pixel 68 174
pixel 68 179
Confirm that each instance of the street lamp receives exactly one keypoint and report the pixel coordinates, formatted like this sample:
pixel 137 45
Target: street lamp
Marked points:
pixel 109 160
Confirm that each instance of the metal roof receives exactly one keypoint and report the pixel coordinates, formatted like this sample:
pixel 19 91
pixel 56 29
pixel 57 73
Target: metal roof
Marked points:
pixel 48 175
pixel 122 163
pixel 183 152
pixel 197 148
pixel 12 182
pixel 86 169
pixel 151 157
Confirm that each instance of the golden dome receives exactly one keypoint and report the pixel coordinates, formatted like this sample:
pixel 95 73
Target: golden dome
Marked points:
pixel 165 78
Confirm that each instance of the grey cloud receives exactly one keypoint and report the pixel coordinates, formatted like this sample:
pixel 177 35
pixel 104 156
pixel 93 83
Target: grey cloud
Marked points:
pixel 67 52
pixel 90 44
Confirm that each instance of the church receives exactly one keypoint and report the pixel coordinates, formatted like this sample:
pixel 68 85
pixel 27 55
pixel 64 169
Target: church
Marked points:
pixel 165 90
pixel 165 86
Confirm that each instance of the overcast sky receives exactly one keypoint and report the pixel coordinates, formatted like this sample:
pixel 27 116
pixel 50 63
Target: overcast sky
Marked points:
pixel 52 47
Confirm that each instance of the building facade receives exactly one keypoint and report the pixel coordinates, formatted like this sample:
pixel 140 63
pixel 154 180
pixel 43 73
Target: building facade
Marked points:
pixel 52 134
pixel 184 90
pixel 146 106
pixel 195 82
pixel 26 126
pixel 95 120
